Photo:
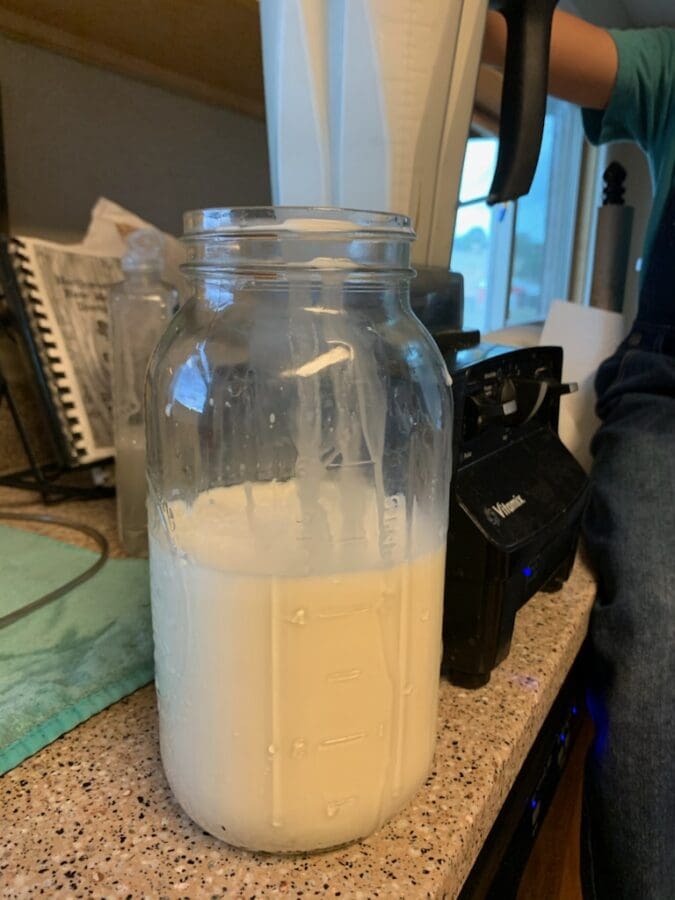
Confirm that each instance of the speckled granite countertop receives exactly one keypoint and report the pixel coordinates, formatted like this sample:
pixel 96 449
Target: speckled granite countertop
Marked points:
pixel 92 815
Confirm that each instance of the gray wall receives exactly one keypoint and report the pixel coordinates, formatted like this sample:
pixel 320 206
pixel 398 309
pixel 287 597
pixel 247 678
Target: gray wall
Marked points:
pixel 74 132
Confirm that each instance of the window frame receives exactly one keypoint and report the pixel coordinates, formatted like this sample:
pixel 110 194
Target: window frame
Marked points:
pixel 560 248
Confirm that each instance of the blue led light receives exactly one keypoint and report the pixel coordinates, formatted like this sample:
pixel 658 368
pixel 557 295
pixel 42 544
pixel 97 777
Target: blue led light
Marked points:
pixel 533 803
pixel 574 710
pixel 527 571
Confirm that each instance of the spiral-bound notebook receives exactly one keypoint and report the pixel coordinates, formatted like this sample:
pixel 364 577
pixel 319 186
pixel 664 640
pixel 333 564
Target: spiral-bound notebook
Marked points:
pixel 57 297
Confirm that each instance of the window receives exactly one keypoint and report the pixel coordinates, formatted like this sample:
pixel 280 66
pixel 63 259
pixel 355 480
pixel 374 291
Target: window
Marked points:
pixel 516 258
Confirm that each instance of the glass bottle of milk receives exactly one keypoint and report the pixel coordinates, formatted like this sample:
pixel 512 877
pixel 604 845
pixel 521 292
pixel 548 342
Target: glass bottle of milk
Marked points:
pixel 140 309
pixel 299 434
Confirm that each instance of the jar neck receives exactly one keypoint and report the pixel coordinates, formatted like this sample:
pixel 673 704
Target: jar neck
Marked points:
pixel 332 292
pixel 283 239
pixel 284 254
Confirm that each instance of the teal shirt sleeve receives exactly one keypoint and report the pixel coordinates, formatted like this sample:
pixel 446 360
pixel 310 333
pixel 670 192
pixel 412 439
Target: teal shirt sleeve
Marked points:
pixel 640 106
pixel 642 109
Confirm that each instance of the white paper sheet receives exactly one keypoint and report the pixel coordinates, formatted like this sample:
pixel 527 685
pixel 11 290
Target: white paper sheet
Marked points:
pixel 588 336
pixel 109 226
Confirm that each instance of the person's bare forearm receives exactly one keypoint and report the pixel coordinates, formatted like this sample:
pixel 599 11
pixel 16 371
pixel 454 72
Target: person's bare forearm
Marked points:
pixel 583 63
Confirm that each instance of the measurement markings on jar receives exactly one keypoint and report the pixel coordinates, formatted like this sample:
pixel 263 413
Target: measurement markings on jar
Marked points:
pixel 273 749
pixel 403 679
pixel 339 613
pixel 348 675
pixel 345 739
pixel 333 807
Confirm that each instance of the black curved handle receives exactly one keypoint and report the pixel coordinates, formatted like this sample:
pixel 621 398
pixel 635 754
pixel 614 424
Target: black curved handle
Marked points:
pixel 524 95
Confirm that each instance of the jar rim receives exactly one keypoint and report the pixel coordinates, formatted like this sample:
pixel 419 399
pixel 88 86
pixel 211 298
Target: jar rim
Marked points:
pixel 296 220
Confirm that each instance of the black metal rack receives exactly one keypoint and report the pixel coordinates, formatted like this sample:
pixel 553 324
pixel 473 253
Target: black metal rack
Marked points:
pixel 50 479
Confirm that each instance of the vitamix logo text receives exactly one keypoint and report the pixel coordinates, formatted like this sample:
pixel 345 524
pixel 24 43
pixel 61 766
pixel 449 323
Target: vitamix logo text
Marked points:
pixel 499 511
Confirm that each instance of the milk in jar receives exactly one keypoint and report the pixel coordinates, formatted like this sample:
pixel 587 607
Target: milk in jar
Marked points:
pixel 297 711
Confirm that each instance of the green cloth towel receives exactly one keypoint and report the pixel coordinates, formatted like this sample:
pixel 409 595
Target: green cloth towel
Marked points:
pixel 73 657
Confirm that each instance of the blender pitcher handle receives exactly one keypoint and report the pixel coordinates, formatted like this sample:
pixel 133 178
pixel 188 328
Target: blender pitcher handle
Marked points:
pixel 523 104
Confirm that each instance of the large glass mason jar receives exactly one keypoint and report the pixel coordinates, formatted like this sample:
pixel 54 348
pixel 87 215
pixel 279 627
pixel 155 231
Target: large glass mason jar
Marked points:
pixel 298 441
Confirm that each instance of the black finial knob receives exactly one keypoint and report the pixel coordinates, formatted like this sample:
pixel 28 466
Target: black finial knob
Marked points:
pixel 614 178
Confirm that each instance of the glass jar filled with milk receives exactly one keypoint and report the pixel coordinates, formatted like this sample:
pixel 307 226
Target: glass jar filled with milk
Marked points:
pixel 298 441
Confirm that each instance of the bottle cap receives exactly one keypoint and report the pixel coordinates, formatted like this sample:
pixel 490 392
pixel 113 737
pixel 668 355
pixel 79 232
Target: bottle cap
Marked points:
pixel 145 250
